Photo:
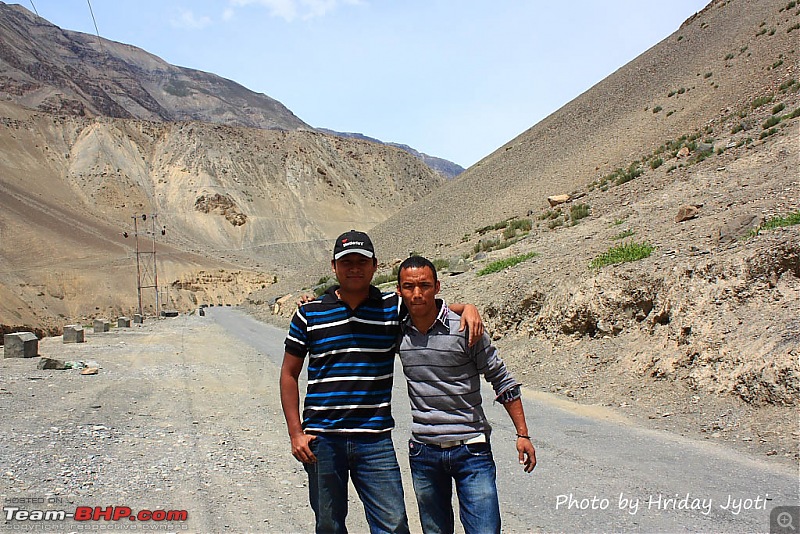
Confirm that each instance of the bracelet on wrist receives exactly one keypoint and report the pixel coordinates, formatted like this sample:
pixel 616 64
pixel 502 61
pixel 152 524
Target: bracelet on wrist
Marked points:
pixel 523 436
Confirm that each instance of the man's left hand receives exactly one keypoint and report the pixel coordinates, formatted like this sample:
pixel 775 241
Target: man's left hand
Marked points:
pixel 471 319
pixel 527 454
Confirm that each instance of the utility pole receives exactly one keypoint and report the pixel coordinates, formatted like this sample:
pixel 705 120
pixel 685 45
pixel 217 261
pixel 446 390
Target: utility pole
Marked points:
pixel 146 266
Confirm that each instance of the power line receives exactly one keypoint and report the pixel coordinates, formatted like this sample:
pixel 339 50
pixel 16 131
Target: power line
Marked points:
pixel 95 22
pixel 34 8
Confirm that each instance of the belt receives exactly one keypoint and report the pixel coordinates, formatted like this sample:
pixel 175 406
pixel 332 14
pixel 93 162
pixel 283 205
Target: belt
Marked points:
pixel 449 444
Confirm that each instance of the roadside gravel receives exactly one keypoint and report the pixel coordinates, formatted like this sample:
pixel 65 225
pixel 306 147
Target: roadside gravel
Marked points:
pixel 170 422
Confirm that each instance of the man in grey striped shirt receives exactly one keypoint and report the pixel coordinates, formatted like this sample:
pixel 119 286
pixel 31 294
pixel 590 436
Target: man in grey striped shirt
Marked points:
pixel 450 432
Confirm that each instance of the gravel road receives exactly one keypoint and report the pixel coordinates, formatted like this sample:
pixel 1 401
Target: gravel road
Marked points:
pixel 184 415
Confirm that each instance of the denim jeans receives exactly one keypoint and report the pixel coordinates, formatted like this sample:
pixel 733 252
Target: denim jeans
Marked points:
pixel 472 467
pixel 372 463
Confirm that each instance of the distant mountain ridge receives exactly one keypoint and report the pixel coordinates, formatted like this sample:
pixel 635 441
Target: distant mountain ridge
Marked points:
pixel 446 168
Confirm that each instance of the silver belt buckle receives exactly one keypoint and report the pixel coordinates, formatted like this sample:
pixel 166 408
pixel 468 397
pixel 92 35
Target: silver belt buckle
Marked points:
pixel 481 438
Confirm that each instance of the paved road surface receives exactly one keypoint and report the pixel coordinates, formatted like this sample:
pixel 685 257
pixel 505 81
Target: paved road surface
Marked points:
pixel 596 472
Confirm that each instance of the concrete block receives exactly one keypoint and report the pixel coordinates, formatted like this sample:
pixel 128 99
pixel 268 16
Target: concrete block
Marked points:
pixel 20 345
pixel 101 325
pixel 138 318
pixel 73 333
pixel 123 322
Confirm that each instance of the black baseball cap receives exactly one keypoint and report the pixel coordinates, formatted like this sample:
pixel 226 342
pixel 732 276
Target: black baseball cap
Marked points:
pixel 353 242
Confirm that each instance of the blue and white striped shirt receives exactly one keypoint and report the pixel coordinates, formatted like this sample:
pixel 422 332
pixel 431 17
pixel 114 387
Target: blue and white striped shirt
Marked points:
pixel 350 361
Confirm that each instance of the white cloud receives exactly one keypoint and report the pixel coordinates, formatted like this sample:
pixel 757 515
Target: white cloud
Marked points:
pixel 292 9
pixel 189 20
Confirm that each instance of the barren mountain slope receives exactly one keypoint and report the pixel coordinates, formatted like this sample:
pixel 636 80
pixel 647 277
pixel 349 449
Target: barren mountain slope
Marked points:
pixel 713 66
pixel 50 69
pixel 248 201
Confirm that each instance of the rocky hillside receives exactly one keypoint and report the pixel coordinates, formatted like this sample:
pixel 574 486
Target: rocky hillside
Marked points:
pixel 703 76
pixel 253 203
pixel 47 68
pixel 687 158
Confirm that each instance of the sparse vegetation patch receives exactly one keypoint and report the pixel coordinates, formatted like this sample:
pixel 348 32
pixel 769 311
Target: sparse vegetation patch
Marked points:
pixel 761 101
pixel 501 265
pixel 623 234
pixel 777 222
pixel 630 251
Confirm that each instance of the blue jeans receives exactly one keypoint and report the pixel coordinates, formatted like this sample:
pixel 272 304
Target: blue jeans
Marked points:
pixel 433 471
pixel 371 461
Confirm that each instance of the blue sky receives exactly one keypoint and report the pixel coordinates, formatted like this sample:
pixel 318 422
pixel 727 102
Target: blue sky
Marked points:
pixel 452 78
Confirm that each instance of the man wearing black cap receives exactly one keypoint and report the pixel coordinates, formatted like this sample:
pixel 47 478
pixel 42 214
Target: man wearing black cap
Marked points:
pixel 350 337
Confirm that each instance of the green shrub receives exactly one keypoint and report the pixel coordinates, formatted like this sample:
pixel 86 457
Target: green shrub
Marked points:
pixel 386 278
pixel 489 244
pixel 738 128
pixel 550 214
pixel 708 75
pixel 622 176
pixel 657 109
pixel 767 133
pixel 656 163
pixel 770 122
pixel 761 101
pixel 322 289
pixel 778 108
pixel 500 265
pixel 579 211
pixel 785 86
pixel 523 225
pixel 794 114
pixel 777 222
pixel 626 252
pixel 729 56
pixel 441 264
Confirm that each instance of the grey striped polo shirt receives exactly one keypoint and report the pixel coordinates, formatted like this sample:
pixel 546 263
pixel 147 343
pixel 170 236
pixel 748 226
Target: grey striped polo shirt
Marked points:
pixel 443 374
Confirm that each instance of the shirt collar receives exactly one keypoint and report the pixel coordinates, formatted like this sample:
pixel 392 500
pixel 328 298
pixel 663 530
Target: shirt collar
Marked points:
pixel 441 318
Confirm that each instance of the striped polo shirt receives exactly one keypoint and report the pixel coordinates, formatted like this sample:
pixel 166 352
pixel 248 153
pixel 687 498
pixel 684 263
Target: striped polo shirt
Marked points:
pixel 444 379
pixel 350 361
